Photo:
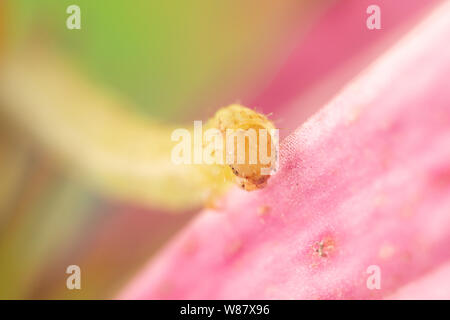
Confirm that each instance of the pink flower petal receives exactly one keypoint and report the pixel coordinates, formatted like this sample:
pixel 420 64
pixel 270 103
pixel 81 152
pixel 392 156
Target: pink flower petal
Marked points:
pixel 433 286
pixel 364 182
pixel 335 49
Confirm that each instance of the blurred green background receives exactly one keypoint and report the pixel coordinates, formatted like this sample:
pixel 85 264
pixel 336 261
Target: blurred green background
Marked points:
pixel 169 57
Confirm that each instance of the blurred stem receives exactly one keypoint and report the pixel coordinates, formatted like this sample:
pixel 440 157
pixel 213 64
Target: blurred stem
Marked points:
pixel 120 153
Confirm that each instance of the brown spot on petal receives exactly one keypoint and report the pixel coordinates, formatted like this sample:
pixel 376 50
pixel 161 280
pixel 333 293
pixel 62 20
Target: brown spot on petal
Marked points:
pixel 324 248
pixel 386 251
pixel 354 115
pixel 263 210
